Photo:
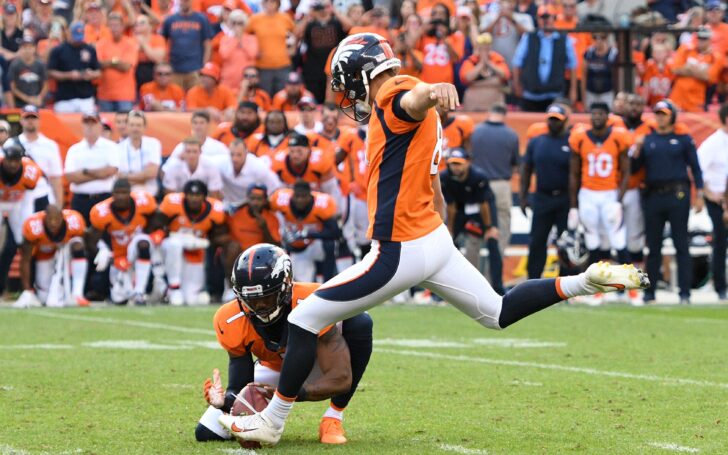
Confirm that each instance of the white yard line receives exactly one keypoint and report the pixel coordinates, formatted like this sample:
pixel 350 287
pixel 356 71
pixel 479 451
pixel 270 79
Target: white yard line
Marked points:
pixel 461 449
pixel 673 447
pixel 552 366
pixel 127 322
pixel 239 451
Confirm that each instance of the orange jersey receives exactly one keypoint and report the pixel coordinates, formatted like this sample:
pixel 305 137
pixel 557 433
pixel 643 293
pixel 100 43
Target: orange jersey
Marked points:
pixel 688 93
pixel 455 132
pixel 120 228
pixel 657 82
pixel 172 96
pixel 403 156
pixel 226 132
pixel 281 102
pixel 320 163
pixel 14 191
pixel 259 145
pixel 244 227
pixel 199 225
pixel 44 244
pixel 221 98
pixel 354 169
pixel 436 64
pixel 261 98
pixel 322 209
pixel 237 335
pixel 600 157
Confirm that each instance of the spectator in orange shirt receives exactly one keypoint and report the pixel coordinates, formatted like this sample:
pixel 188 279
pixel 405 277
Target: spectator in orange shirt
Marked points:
pixel 218 100
pixel 118 59
pixel 441 48
pixel 272 28
pixel 237 51
pixel 95 29
pixel 695 69
pixel 152 50
pixel 403 47
pixel 715 11
pixel 485 74
pixel 425 7
pixel 287 99
pixel 657 77
pixel 162 94
pixel 249 90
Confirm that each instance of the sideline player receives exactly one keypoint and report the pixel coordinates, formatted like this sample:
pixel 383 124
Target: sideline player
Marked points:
pixel 255 324
pixel 125 218
pixel 308 221
pixel 411 245
pixel 54 239
pixel 193 221
pixel 599 173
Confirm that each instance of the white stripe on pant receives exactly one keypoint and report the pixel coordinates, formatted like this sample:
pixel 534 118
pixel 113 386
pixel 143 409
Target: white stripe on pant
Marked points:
pixel 432 261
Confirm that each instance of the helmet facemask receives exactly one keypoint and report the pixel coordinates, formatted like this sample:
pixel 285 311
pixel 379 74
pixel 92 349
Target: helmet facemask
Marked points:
pixel 352 94
pixel 267 306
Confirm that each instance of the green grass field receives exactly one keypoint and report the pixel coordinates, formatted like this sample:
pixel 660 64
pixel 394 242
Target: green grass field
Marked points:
pixel 611 380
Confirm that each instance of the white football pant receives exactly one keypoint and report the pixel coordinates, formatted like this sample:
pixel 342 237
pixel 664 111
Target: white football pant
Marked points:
pixel 304 262
pixel 189 277
pixel 126 283
pixel 634 221
pixel 602 217
pixel 59 279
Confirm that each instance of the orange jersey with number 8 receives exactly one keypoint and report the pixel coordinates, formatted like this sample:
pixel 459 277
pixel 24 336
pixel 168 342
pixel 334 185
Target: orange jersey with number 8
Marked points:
pixel 600 157
pixel 403 155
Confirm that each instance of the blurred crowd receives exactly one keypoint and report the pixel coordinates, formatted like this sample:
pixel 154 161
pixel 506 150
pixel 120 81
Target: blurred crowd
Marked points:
pixel 182 55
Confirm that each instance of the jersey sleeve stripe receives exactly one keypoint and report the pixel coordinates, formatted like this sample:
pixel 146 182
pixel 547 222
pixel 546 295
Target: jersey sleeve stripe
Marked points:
pixel 399 111
pixel 381 271
pixel 390 178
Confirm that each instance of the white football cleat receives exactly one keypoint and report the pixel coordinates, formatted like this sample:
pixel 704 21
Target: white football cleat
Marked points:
pixel 252 428
pixel 203 298
pixel 176 298
pixel 28 299
pixel 604 277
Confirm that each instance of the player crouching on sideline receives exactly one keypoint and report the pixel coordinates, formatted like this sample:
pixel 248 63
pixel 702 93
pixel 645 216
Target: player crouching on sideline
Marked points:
pixel 54 239
pixel 192 220
pixel 255 323
pixel 410 244
pixel 125 217
pixel 309 217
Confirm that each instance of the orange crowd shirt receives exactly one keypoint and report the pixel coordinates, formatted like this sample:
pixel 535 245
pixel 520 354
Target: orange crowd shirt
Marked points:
pixel 116 85
pixel 244 229
pixel 437 66
pixel 172 96
pixel 272 32
pixel 688 93
pixel 221 98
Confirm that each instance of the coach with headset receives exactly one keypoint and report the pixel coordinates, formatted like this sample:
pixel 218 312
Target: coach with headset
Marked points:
pixel 547 156
pixel 666 157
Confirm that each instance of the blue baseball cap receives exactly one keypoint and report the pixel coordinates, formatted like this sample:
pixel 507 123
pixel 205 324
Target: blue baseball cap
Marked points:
pixel 458 155
pixel 77 31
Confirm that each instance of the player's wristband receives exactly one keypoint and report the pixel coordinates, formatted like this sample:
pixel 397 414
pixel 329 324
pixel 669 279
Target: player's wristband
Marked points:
pixel 302 394
pixel 229 400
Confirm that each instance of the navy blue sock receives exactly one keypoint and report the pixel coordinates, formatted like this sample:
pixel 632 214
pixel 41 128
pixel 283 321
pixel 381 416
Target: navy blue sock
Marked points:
pixel 299 360
pixel 527 298
pixel 204 434
pixel 357 332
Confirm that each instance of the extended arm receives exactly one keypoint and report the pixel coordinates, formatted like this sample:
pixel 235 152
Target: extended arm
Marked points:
pixel 422 97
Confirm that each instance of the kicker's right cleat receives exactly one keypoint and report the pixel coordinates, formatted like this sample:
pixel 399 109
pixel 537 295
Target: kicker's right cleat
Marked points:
pixel 604 277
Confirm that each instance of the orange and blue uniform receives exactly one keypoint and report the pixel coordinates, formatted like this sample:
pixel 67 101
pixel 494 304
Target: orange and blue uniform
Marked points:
pixel 600 157
pixel 319 167
pixel 13 191
pixel 403 156
pixel 122 227
pixel 244 229
pixel 198 224
pixel 321 211
pixel 44 244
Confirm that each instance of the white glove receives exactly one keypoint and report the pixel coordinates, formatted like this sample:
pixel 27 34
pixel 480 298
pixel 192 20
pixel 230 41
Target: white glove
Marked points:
pixel 572 221
pixel 27 299
pixel 103 259
pixel 214 394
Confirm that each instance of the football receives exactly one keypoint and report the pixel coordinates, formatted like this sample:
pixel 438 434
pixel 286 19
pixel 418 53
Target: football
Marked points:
pixel 250 400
